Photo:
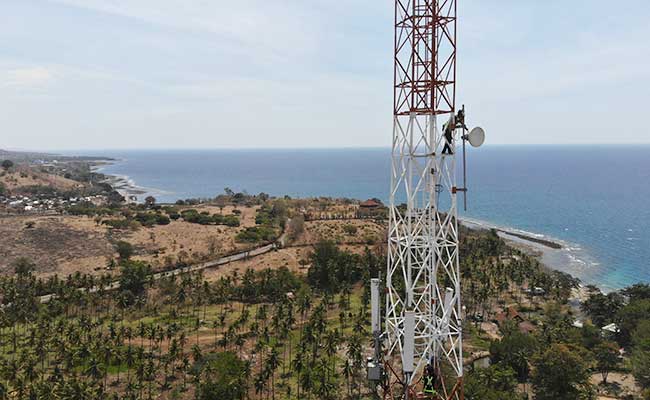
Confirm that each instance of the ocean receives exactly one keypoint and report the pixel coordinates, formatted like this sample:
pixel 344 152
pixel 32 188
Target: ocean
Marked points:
pixel 595 200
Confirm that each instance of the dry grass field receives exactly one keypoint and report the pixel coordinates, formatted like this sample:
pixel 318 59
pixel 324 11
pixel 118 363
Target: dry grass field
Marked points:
pixel 23 177
pixel 342 231
pixel 67 244
pixel 191 241
pixel 56 244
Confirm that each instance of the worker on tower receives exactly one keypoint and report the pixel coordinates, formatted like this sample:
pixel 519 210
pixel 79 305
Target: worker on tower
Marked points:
pixel 449 128
pixel 460 118
pixel 429 378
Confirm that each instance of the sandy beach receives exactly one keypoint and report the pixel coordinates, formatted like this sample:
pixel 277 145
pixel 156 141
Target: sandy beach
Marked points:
pixel 124 185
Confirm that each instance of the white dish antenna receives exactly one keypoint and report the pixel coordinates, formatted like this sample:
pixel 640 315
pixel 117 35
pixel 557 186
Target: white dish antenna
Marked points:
pixel 476 137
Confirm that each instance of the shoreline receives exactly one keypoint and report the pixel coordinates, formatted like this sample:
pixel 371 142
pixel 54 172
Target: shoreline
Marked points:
pixel 123 184
pixel 552 253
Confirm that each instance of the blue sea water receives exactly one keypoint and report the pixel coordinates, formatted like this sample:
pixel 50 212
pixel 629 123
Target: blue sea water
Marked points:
pixel 594 199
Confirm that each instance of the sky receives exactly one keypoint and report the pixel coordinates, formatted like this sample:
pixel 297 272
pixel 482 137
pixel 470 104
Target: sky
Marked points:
pixel 143 74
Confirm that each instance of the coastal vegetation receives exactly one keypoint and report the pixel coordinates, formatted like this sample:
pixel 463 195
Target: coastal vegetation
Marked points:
pixel 270 220
pixel 278 333
pixel 292 324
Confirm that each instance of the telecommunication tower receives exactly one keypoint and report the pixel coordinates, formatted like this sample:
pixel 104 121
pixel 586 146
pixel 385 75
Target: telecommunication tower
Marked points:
pixel 422 324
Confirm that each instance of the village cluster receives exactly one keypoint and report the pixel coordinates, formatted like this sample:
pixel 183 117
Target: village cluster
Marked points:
pixel 45 203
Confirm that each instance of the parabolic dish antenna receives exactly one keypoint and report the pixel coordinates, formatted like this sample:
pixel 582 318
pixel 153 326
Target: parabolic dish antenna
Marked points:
pixel 476 137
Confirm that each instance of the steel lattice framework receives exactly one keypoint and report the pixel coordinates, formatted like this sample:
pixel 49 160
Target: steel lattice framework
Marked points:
pixel 423 267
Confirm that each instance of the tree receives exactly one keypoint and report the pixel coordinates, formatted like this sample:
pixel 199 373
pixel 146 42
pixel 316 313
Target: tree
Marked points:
pixel 225 378
pixel 23 266
pixel 630 316
pixel 7 164
pixel 124 249
pixel 641 366
pixel 133 277
pixel 296 227
pixel 497 382
pixel 639 291
pixel 602 308
pixel 149 201
pixel 514 351
pixel 641 335
pixel 560 373
pixel 606 355
pixel 331 267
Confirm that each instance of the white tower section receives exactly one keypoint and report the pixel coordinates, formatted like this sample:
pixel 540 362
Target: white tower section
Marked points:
pixel 423 270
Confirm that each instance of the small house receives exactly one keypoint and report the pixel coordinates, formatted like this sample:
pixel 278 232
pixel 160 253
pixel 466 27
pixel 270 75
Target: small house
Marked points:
pixel 610 331
pixel 371 208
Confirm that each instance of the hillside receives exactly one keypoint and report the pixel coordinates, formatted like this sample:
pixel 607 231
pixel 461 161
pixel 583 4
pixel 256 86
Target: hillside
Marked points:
pixel 22 178
pixel 291 323
pixel 30 157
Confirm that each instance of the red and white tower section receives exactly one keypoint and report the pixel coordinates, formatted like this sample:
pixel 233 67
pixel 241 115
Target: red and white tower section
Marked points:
pixel 421 328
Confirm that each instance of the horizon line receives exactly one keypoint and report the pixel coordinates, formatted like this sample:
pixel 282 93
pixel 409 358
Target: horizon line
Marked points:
pixel 77 150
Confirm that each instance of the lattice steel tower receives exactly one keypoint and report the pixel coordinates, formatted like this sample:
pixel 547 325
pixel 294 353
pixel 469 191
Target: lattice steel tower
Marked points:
pixel 423 304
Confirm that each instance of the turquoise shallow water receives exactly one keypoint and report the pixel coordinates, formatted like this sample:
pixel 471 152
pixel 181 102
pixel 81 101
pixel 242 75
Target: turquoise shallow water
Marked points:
pixel 595 199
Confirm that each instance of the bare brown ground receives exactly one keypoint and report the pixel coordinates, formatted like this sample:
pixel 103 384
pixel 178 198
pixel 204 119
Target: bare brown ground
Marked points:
pixel 67 244
pixel 367 231
pixel 64 245
pixel 165 241
pixel 299 250
pixel 491 330
pixel 57 244
pixel 626 383
pixel 24 176
pixel 288 257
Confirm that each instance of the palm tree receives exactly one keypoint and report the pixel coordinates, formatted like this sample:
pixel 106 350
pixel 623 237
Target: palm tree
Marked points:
pixel 94 370
pixel 347 373
pixel 273 362
pixel 298 366
pixel 185 369
pixel 260 384
pixel 117 356
pixel 4 392
pixel 129 358
pixel 331 346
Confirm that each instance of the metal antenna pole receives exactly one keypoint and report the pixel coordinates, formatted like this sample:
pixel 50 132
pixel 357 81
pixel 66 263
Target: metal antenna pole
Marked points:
pixel 464 171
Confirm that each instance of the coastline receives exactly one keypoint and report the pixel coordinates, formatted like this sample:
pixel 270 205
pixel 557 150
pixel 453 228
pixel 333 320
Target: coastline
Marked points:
pixel 123 184
pixel 552 254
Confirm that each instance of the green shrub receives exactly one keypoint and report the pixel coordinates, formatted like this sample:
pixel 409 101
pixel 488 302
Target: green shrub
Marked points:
pixel 256 234
pixel 162 219
pixel 84 208
pixel 231 220
pixel 124 249
pixel 350 229
pixel 204 218
pixel 146 219
pixel 117 223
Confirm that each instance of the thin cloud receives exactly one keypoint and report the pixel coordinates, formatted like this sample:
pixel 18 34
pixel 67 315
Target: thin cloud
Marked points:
pixel 126 73
pixel 26 77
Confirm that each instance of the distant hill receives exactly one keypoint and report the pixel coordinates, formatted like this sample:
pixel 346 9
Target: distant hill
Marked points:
pixel 23 178
pixel 35 173
pixel 28 156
